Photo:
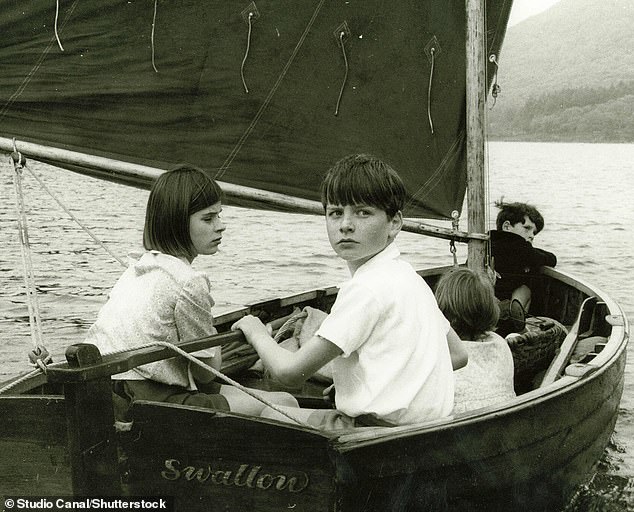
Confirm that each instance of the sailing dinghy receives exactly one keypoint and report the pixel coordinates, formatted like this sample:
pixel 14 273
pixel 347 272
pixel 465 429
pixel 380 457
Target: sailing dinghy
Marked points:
pixel 266 95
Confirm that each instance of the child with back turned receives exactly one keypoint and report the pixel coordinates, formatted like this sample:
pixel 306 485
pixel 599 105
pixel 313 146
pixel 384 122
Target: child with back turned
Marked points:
pixel 160 297
pixel 466 298
pixel 385 335
pixel 514 256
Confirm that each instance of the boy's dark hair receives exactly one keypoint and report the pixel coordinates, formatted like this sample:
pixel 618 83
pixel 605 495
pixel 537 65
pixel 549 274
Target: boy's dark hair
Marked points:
pixel 515 212
pixel 176 195
pixel 364 179
pixel 467 300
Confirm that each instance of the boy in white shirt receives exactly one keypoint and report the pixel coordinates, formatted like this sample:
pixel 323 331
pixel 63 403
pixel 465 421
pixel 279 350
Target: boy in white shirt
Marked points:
pixel 385 334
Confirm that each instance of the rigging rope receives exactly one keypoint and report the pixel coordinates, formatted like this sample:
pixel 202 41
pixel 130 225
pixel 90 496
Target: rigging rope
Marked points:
pixel 39 356
pixel 495 88
pixel 25 251
pixel 85 228
pixel 289 324
pixel 219 375
pixel 432 53
pixel 56 32
pixel 342 34
pixel 35 68
pixel 152 36
pixel 170 346
pixel 246 52
pixel 455 220
pixel 28 376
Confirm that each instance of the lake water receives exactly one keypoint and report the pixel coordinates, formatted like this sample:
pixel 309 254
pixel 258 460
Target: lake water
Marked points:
pixel 584 191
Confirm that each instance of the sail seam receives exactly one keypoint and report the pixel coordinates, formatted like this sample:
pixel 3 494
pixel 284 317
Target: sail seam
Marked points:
pixel 234 152
pixel 436 177
pixel 35 68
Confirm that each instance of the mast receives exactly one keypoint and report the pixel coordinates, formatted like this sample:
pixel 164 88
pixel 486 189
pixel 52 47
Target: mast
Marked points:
pixel 476 95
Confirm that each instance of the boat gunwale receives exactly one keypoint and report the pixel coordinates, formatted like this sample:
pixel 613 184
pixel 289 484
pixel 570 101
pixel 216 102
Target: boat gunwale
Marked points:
pixel 613 349
pixel 602 362
pixel 367 437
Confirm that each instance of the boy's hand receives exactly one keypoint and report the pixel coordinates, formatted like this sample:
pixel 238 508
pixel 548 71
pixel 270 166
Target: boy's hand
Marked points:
pixel 252 327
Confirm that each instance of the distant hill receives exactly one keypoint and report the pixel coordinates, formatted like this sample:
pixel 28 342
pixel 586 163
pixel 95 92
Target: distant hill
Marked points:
pixel 568 75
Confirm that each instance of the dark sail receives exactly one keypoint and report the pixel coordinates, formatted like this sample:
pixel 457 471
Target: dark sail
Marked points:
pixel 165 83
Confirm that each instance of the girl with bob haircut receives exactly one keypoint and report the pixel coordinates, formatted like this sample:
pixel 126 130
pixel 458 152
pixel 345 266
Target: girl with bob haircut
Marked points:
pixel 160 297
pixel 175 196
pixel 467 300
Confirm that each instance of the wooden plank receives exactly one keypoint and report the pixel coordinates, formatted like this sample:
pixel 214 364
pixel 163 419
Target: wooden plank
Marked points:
pixel 90 427
pixel 529 448
pixel 235 463
pixel 33 445
pixel 121 362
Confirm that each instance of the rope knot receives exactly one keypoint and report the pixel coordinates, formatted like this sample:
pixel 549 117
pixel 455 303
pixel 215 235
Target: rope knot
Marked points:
pixel 40 357
pixel 18 160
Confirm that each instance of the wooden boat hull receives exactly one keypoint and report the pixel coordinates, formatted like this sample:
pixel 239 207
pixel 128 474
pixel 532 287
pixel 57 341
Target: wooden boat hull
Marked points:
pixel 530 453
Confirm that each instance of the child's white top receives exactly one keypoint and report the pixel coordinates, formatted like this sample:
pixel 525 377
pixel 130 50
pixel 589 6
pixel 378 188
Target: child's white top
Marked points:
pixel 158 298
pixel 488 377
pixel 395 363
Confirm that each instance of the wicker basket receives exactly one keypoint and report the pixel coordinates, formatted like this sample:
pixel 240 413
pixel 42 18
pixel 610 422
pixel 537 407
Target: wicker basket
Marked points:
pixel 534 349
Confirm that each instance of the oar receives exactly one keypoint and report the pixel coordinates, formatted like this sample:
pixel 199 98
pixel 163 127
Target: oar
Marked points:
pixel 581 325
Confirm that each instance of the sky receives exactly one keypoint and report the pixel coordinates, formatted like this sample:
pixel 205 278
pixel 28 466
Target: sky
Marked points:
pixel 523 9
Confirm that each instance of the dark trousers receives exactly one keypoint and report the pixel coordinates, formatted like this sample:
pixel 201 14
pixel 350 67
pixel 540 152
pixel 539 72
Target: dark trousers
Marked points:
pixel 128 391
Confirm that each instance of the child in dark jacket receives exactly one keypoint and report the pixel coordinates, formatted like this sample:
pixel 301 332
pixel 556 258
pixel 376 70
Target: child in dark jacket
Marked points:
pixel 514 257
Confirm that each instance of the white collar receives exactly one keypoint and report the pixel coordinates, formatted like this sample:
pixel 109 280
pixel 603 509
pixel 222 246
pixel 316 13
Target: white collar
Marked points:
pixel 390 252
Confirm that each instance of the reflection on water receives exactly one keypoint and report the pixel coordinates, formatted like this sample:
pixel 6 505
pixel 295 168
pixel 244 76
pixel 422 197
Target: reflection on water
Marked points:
pixel 583 191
